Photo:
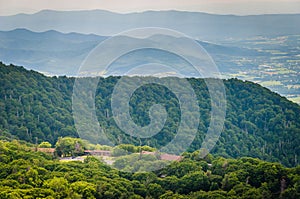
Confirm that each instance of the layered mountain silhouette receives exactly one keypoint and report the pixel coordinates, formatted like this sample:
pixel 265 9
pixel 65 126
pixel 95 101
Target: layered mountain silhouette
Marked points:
pixel 201 26
pixel 56 53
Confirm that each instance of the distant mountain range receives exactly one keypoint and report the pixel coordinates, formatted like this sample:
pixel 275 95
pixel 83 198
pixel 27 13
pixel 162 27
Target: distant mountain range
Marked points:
pixel 56 53
pixel 201 26
pixel 259 48
pixel 49 52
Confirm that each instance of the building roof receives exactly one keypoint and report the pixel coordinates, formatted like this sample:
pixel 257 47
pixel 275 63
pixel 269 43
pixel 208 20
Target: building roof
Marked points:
pixel 170 157
pixel 165 156
pixel 46 150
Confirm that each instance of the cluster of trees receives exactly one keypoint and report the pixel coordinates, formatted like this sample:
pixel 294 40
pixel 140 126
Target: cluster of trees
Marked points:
pixel 34 106
pixel 25 173
pixel 259 123
pixel 69 147
pixel 126 149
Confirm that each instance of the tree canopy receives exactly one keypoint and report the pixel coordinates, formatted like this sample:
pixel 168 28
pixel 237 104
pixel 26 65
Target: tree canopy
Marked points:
pixel 25 173
pixel 258 123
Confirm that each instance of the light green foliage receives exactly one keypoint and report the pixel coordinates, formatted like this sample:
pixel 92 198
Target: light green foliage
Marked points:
pixel 126 149
pixel 59 185
pixel 30 174
pixel 68 146
pixel 45 145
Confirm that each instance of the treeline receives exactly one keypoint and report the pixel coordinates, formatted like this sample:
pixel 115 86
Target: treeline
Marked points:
pixel 259 123
pixel 28 174
pixel 72 147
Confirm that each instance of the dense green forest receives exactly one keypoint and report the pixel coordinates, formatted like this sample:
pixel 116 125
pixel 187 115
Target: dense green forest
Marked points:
pixel 259 123
pixel 28 174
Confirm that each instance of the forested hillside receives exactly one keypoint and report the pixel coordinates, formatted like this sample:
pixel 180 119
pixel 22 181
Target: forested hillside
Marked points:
pixel 28 174
pixel 259 123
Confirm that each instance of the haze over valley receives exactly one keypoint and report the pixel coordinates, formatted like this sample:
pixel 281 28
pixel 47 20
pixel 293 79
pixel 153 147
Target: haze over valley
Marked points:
pixel 259 48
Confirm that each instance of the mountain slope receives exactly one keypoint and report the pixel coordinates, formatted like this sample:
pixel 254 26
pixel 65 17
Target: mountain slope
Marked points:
pixel 50 52
pixel 198 25
pixel 55 53
pixel 259 123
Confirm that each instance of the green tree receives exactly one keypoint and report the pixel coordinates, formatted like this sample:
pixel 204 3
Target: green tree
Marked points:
pixel 229 181
pixel 68 146
pixel 45 145
pixel 59 185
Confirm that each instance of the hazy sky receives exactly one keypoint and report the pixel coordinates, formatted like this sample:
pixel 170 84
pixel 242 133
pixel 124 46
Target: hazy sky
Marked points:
pixel 239 7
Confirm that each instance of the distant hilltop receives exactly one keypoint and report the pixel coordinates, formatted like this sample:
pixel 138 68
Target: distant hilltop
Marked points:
pixel 199 25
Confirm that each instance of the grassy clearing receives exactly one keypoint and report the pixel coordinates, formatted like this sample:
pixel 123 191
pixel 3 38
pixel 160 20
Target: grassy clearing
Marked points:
pixel 295 99
pixel 271 83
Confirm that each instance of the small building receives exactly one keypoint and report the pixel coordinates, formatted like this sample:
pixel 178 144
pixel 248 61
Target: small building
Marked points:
pixel 170 157
pixel 164 156
pixel 49 151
